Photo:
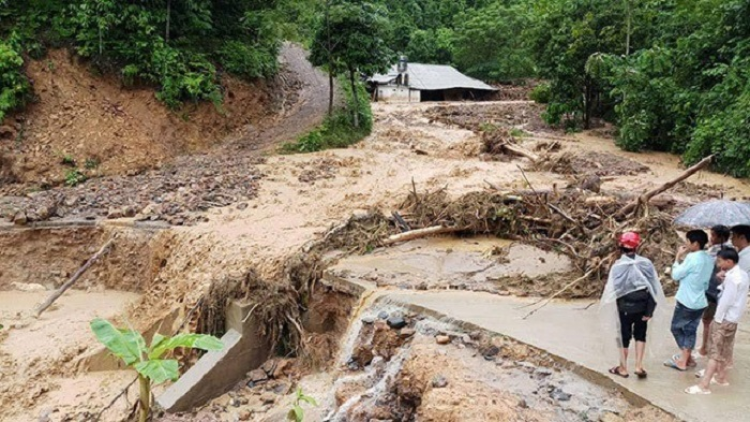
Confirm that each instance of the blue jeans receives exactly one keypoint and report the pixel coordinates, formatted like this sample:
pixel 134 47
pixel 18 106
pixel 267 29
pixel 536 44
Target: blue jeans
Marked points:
pixel 685 323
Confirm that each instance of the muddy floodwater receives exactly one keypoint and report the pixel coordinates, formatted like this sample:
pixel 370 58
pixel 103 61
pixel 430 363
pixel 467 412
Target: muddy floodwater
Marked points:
pixel 479 264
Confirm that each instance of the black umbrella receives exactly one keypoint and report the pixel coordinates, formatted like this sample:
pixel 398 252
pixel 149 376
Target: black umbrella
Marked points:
pixel 712 213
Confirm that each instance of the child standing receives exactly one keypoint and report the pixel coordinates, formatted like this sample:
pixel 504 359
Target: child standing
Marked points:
pixel 729 311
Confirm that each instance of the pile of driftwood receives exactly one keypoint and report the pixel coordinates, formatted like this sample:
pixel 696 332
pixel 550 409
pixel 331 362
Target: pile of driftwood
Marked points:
pixel 581 224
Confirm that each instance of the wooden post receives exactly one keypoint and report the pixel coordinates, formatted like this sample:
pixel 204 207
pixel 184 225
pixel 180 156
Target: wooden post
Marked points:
pixel 59 292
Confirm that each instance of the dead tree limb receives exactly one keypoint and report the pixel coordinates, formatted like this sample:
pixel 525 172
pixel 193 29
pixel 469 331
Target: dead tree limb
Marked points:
pixel 546 301
pixel 59 292
pixel 645 198
pixel 515 150
pixel 400 222
pixel 419 233
pixel 567 217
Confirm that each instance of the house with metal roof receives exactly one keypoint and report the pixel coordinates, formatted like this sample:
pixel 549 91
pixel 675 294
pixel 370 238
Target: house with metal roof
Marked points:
pixel 415 82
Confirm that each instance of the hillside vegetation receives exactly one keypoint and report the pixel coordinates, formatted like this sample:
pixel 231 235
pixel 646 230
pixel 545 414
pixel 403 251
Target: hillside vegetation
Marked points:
pixel 673 75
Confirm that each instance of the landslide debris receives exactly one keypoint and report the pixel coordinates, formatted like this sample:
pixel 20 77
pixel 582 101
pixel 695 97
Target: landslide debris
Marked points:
pixel 171 194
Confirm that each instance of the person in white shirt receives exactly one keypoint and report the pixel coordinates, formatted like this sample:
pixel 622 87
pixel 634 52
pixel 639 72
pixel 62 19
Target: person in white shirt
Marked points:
pixel 729 311
pixel 718 239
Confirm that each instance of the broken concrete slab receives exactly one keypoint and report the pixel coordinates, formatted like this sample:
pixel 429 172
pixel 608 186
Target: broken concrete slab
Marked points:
pixel 245 349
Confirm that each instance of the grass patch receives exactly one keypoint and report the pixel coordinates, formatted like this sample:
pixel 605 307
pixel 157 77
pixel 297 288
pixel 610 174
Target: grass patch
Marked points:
pixel 337 130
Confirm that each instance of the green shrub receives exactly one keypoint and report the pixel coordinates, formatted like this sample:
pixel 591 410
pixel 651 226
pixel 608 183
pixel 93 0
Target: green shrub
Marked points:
pixel 337 131
pixel 14 86
pixel 541 93
pixel 249 61
pixel 74 177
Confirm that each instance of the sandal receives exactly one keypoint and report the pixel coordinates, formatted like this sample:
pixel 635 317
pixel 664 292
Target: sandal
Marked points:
pixel 642 375
pixel 616 371
pixel 720 384
pixel 691 363
pixel 670 363
pixel 696 389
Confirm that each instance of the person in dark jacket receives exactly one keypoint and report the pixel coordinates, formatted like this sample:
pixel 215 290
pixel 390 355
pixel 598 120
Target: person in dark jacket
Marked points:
pixel 634 286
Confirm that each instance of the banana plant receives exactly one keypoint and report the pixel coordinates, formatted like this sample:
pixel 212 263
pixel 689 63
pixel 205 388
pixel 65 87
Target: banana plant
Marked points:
pixel 149 362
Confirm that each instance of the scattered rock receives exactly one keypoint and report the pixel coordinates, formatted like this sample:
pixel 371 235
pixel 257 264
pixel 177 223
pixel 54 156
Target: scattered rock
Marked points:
pixel 114 213
pixel 368 320
pixel 542 372
pixel 491 352
pixel 256 376
pixel 383 315
pixel 362 356
pixel 380 325
pixel 407 332
pixel 442 339
pixel 396 322
pixel 268 398
pixel 560 395
pixel 439 381
pixel 522 404
pixel 20 219
pixel 592 183
pixel 44 416
pixel 245 415
pixel 283 367
pixel 269 367
pixel 242 206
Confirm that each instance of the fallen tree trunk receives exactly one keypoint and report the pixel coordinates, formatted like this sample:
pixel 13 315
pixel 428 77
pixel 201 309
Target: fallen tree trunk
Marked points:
pixel 419 233
pixel 645 198
pixel 516 150
pixel 59 292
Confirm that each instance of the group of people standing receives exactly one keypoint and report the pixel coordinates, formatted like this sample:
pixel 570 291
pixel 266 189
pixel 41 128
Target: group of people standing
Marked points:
pixel 712 275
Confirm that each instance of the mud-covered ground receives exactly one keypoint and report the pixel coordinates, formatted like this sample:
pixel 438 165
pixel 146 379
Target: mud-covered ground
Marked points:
pixel 297 199
pixel 398 366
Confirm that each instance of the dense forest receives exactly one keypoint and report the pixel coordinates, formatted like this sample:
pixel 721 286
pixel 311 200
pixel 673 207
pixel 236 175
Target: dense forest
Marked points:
pixel 673 75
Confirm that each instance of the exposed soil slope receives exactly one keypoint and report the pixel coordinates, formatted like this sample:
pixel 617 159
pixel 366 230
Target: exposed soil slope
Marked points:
pixel 81 120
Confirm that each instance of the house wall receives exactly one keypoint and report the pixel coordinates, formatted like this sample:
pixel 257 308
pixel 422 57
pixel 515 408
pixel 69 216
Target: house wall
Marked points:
pixel 397 94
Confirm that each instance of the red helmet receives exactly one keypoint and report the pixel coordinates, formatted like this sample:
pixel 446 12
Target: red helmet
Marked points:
pixel 630 240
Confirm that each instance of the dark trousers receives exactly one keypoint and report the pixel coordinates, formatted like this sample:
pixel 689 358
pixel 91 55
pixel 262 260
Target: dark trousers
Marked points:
pixel 685 323
pixel 632 326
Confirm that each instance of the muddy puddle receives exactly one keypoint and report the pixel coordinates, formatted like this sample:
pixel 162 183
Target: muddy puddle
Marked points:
pixel 64 326
pixel 479 264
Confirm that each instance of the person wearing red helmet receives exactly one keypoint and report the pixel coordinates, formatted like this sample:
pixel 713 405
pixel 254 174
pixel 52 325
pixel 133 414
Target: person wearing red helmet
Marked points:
pixel 631 296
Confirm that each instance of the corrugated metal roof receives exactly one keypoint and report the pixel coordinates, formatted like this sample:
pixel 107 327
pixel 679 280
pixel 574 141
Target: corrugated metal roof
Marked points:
pixel 433 77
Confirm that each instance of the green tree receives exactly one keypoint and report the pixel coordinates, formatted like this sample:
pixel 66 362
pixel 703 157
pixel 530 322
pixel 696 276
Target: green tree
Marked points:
pixel 565 34
pixel 487 42
pixel 352 39
pixel 431 46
